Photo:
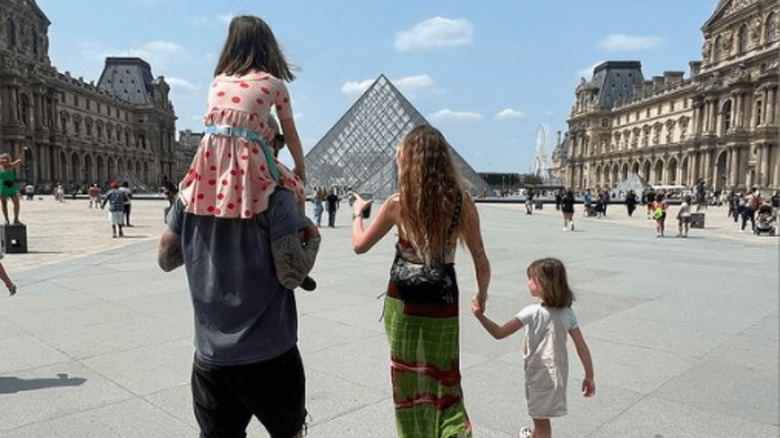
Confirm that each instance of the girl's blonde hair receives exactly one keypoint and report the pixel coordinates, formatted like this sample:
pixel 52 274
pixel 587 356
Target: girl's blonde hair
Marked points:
pixel 550 277
pixel 251 45
pixel 429 185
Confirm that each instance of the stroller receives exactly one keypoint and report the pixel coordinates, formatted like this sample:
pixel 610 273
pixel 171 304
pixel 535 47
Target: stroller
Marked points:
pixel 765 220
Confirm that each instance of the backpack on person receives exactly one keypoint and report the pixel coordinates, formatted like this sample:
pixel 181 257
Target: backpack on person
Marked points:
pixel 658 213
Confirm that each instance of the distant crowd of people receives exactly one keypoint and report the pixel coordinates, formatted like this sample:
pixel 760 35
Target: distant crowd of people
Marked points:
pixel 750 206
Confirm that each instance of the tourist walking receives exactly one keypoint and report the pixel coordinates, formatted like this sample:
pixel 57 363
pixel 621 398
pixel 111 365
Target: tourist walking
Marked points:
pixel 752 201
pixel 430 213
pixel 8 189
pixel 332 202
pixel 649 201
pixel 544 348
pixel 94 196
pixel 128 196
pixel 605 202
pixel 631 202
pixel 684 217
pixel 529 201
pixel 567 208
pixel 587 203
pixel 115 198
pixel 659 214
pixel 320 194
pixel 240 233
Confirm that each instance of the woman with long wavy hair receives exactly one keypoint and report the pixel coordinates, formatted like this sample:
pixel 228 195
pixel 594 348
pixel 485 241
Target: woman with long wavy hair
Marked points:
pixel 431 213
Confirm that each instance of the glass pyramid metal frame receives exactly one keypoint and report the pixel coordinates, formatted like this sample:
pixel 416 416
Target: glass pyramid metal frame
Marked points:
pixel 359 150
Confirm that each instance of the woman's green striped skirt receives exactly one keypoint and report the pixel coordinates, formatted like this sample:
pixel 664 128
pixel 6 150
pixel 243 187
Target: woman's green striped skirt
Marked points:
pixel 425 370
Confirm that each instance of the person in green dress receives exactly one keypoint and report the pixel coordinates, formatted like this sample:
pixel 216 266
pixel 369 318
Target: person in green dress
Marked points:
pixel 8 187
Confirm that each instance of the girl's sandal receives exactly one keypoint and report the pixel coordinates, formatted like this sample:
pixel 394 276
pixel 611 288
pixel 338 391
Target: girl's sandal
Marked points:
pixel 12 290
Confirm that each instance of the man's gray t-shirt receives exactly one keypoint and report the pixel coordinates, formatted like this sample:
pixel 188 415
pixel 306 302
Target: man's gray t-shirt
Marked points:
pixel 242 313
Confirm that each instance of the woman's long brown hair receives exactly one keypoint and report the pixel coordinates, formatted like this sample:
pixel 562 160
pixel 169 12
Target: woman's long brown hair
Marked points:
pixel 251 45
pixel 428 186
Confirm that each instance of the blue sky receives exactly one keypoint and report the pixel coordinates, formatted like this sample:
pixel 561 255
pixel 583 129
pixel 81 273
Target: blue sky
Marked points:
pixel 487 73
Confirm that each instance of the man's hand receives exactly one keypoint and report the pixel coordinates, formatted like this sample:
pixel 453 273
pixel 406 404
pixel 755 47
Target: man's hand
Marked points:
pixel 170 255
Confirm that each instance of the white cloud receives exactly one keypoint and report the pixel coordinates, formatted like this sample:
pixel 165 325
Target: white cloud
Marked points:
pixel 159 54
pixel 509 114
pixel 353 87
pixel 587 72
pixel 435 32
pixel 180 85
pixel 446 115
pixel 621 42
pixel 418 81
pixel 408 85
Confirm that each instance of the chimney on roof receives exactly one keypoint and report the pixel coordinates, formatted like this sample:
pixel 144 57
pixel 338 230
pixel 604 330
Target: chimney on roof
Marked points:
pixel 673 79
pixel 695 68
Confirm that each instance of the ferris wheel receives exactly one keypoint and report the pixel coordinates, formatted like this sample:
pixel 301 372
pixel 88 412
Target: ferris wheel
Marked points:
pixel 541 159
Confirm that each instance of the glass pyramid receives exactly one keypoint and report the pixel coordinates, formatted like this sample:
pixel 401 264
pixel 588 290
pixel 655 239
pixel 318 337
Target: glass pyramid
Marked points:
pixel 359 150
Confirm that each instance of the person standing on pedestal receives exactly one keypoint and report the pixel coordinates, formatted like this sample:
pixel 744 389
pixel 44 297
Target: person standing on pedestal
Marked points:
pixel 8 188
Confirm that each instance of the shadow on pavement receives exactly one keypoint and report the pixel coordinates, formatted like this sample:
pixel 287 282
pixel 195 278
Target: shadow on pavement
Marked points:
pixel 12 385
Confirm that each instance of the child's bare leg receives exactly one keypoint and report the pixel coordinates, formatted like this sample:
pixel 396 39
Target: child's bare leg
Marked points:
pixel 15 200
pixel 4 203
pixel 542 428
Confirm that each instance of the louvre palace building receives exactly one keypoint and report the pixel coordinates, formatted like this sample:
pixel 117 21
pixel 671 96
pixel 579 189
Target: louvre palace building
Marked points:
pixel 73 132
pixel 719 125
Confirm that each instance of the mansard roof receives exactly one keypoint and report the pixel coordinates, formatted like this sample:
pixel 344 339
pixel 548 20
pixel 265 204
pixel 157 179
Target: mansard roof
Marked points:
pixel 615 81
pixel 359 150
pixel 130 79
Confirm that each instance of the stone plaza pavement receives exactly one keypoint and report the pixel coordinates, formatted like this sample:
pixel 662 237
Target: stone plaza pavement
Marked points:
pixel 683 332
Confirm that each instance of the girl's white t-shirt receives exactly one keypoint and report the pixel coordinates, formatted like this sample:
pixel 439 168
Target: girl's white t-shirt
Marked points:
pixel 536 318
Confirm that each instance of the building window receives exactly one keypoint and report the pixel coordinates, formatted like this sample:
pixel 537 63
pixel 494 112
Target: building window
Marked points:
pixel 727 116
pixel 604 123
pixel 88 104
pixel 648 113
pixel 685 103
pixel 758 112
pixel 76 100
pixel 659 109
pixel 717 50
pixel 742 39
pixel 10 32
pixel 25 109
pixel 671 106
pixel 770 31
pixel 76 127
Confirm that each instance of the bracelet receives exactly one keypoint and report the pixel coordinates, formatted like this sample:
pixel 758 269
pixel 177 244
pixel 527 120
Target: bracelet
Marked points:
pixel 356 215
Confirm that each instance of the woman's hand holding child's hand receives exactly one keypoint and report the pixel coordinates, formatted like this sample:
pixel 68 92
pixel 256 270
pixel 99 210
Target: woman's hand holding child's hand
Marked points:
pixel 476 309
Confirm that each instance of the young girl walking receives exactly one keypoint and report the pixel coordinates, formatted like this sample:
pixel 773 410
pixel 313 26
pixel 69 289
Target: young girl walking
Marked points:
pixel 234 171
pixel 544 348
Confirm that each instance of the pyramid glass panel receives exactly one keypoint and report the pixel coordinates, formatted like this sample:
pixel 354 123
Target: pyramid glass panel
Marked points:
pixel 359 150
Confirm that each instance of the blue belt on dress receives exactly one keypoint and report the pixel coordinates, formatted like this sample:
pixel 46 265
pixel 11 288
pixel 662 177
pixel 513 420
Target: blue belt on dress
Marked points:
pixel 253 136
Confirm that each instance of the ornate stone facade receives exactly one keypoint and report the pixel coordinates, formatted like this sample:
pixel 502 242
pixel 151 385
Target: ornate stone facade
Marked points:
pixel 78 133
pixel 720 125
